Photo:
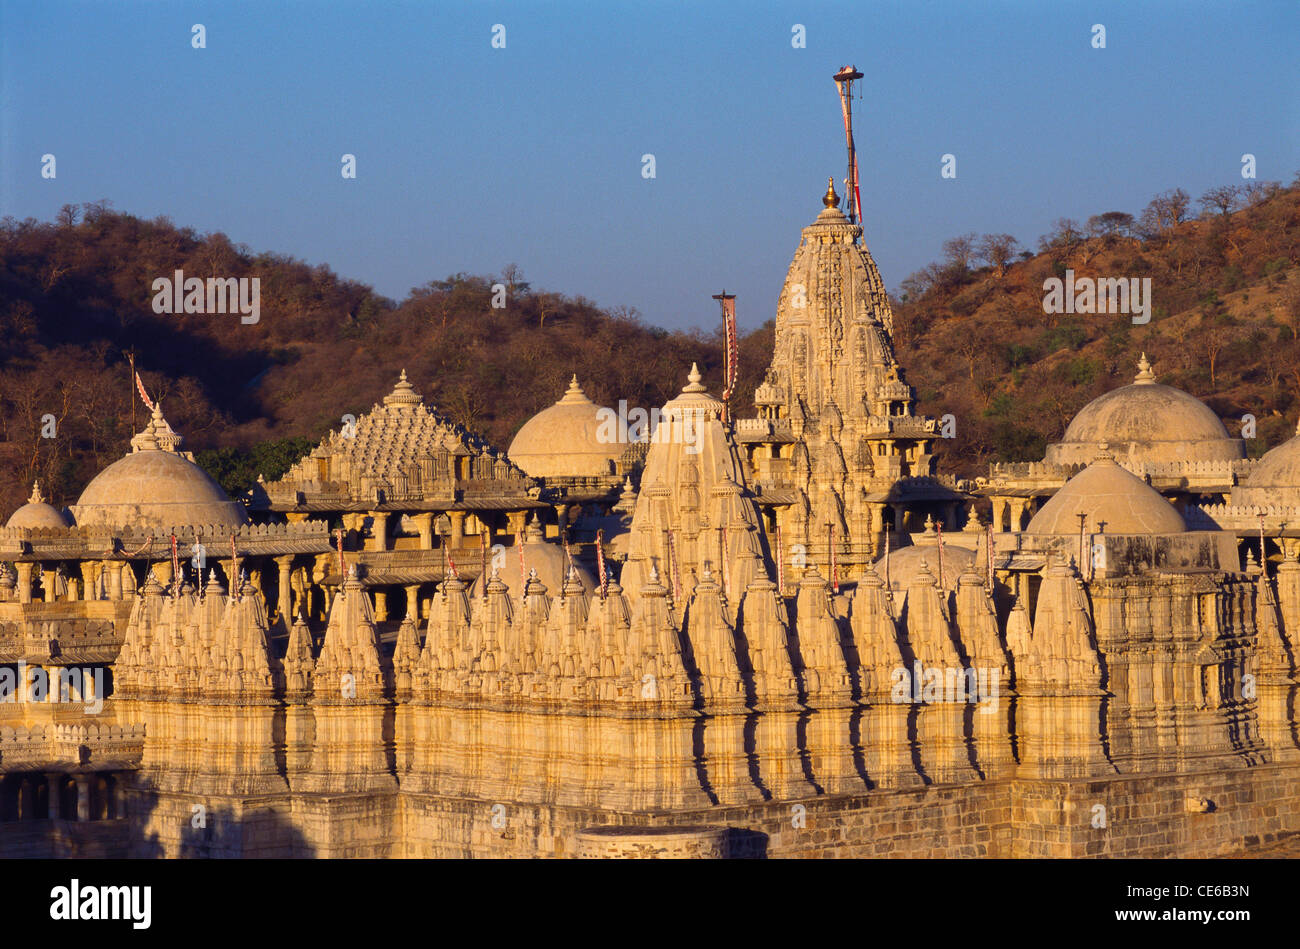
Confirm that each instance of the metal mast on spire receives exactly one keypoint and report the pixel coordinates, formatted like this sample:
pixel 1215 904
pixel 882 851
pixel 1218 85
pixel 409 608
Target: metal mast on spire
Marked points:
pixel 730 350
pixel 844 80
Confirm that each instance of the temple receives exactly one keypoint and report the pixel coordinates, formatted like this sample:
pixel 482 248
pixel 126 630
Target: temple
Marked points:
pixel 793 638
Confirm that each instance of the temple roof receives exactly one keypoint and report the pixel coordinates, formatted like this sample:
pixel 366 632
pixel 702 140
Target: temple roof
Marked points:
pixel 1146 421
pixel 1113 501
pixel 402 449
pixel 568 439
pixel 155 487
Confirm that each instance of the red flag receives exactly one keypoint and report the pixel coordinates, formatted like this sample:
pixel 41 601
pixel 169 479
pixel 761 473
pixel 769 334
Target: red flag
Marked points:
pixel 600 564
pixel 144 396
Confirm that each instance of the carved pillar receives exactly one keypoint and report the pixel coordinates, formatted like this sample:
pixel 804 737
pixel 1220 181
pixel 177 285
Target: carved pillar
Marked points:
pixel 83 797
pixel 457 519
pixel 515 522
pixel 284 590
pixel 53 782
pixel 114 569
pixel 381 605
pixel 413 601
pixel 424 524
pixel 24 581
pixel 378 531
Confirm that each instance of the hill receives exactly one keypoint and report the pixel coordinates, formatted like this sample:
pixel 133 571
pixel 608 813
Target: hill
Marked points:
pixel 973 333
pixel 76 298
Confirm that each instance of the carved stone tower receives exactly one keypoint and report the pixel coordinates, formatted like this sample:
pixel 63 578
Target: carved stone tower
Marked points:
pixel 836 449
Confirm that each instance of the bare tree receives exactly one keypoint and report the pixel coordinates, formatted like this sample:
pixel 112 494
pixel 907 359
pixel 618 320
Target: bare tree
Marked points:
pixel 998 249
pixel 1110 224
pixel 1165 210
pixel 959 251
pixel 1259 191
pixel 1065 236
pixel 1224 199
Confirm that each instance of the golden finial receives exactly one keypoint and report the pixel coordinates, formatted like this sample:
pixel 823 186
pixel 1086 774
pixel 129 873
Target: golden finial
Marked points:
pixel 831 200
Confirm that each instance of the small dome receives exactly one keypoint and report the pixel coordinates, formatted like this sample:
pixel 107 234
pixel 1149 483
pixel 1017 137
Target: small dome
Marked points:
pixel 694 401
pixel 546 559
pixel 1146 422
pixel 37 513
pixel 1275 479
pixel 903 564
pixel 569 439
pixel 1114 500
pixel 155 487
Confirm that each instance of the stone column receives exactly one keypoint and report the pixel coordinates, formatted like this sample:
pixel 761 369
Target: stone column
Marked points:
pixel 284 591
pixel 413 601
pixel 457 529
pixel 515 523
pixel 114 569
pixel 83 797
pixel 24 571
pixel 381 605
pixel 54 782
pixel 898 519
pixel 379 531
pixel 424 524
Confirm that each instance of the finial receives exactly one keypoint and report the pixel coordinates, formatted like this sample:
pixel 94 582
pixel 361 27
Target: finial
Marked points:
pixel 574 393
pixel 402 377
pixel 37 497
pixel 1104 453
pixel 1145 376
pixel 693 380
pixel 831 199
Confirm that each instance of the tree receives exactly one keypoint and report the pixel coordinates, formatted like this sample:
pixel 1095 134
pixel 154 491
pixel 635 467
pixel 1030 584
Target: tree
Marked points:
pixel 998 249
pixel 514 280
pixel 1165 210
pixel 1224 199
pixel 1064 236
pixel 1110 224
pixel 68 215
pixel 959 251
pixel 1258 192
pixel 1214 339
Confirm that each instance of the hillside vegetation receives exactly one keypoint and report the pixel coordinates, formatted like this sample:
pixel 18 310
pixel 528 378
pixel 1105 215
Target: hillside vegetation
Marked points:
pixel 75 299
pixel 1225 322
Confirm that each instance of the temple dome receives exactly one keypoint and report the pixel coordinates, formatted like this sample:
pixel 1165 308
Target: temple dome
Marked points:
pixel 546 559
pixel 1146 422
pixel 1275 478
pixel 37 513
pixel 1114 500
pixel 564 440
pixel 902 564
pixel 155 487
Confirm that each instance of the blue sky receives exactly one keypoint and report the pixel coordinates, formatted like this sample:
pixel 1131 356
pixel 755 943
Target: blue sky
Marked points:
pixel 470 158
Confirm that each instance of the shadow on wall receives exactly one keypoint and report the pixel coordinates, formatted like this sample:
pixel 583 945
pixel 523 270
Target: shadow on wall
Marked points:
pixel 213 831
pixel 745 844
